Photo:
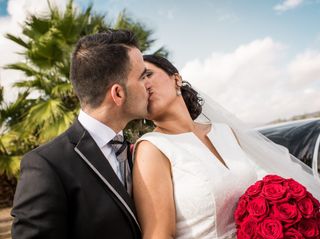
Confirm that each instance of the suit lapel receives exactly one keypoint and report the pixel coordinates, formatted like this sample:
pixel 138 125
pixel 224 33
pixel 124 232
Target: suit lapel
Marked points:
pixel 90 153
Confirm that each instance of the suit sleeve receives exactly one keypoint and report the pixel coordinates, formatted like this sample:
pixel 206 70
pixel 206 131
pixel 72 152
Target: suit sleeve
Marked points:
pixel 40 202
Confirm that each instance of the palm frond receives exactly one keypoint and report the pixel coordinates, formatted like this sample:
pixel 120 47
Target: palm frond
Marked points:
pixel 36 26
pixel 17 40
pixel 10 165
pixel 44 111
pixel 161 52
pixel 13 113
pixel 21 66
pixel 124 21
pixel 62 89
pixel 1 95
pixel 58 126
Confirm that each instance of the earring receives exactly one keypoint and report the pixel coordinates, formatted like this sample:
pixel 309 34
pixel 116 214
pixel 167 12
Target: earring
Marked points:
pixel 178 92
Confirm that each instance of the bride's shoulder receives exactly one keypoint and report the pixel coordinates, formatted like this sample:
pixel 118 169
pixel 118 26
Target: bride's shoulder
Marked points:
pixel 150 136
pixel 152 146
pixel 151 139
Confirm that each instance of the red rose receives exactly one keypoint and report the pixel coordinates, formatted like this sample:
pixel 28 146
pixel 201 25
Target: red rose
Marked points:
pixel 258 236
pixel 292 234
pixel 273 192
pixel 249 227
pixel 287 213
pixel 315 201
pixel 258 207
pixel 309 228
pixel 305 206
pixel 255 189
pixel 273 179
pixel 318 218
pixel 241 210
pixel 271 229
pixel 296 190
pixel 242 235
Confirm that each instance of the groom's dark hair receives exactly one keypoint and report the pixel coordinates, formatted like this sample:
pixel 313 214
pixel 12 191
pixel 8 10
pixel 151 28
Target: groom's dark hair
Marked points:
pixel 99 61
pixel 190 96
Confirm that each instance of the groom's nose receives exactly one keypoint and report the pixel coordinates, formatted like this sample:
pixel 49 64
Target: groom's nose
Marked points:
pixel 147 84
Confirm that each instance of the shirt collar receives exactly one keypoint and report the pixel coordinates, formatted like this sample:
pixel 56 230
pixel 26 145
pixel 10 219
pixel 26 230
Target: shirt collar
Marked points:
pixel 100 132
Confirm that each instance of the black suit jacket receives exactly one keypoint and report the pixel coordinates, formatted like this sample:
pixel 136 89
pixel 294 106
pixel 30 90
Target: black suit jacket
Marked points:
pixel 67 189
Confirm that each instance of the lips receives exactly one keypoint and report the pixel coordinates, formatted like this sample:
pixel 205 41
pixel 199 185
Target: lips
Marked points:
pixel 150 94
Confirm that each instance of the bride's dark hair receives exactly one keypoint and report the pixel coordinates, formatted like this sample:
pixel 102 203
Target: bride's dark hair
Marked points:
pixel 190 96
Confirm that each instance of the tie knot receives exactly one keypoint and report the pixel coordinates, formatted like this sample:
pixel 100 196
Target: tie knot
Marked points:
pixel 118 145
pixel 118 139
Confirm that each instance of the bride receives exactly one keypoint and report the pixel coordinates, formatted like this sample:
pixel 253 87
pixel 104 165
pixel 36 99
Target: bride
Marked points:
pixel 190 172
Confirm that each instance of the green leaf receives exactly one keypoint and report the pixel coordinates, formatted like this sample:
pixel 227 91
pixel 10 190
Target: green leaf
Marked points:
pixel 21 66
pixel 51 130
pixel 10 165
pixel 17 40
pixel 44 111
pixel 62 89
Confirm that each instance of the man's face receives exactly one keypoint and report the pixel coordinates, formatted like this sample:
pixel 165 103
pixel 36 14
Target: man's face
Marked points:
pixel 137 94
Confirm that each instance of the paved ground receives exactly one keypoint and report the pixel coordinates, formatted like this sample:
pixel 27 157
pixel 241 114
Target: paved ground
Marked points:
pixel 5 223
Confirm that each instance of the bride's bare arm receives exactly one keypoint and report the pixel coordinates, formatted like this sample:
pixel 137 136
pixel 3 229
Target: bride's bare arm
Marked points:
pixel 153 192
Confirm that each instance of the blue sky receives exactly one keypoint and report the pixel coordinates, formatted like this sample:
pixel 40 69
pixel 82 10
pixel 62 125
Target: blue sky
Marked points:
pixel 260 59
pixel 3 7
pixel 193 29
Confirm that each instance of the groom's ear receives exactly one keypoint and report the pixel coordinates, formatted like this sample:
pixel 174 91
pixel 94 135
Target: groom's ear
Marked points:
pixel 118 95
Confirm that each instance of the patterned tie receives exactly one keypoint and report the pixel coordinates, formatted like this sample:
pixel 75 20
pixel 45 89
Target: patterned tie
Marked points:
pixel 120 148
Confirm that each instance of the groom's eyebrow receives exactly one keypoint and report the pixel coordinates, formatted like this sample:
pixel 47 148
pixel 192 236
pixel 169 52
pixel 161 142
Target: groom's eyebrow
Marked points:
pixel 143 73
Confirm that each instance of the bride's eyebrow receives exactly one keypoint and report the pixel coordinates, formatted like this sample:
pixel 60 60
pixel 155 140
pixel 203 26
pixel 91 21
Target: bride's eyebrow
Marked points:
pixel 149 72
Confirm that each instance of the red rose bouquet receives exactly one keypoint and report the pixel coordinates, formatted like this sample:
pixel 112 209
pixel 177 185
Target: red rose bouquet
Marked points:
pixel 276 208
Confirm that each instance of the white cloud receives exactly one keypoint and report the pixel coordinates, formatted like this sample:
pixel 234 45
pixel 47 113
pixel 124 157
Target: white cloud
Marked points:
pixel 305 68
pixel 254 83
pixel 18 11
pixel 228 17
pixel 287 5
pixel 9 54
pixel 169 13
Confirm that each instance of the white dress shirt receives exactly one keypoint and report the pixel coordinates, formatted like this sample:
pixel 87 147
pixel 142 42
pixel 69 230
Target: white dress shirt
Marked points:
pixel 101 134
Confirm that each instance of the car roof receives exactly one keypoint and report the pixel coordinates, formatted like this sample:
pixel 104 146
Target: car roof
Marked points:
pixel 288 124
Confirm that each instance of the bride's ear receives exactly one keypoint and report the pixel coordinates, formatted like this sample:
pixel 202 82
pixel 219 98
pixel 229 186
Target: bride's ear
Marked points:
pixel 178 80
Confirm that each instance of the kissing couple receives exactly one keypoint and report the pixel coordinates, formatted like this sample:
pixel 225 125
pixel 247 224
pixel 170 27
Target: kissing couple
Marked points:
pixel 183 180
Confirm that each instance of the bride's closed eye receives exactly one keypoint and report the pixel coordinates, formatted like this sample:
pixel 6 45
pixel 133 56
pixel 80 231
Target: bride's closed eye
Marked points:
pixel 149 73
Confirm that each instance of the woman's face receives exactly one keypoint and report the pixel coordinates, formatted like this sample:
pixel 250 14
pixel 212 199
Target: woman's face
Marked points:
pixel 162 90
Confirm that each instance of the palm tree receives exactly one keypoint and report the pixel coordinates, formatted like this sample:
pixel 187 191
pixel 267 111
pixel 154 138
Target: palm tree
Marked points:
pixel 46 104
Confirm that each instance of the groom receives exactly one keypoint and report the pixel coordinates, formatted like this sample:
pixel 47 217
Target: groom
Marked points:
pixel 75 186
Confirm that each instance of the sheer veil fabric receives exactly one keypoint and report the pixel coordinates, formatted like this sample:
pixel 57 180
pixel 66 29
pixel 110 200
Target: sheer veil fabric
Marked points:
pixel 266 156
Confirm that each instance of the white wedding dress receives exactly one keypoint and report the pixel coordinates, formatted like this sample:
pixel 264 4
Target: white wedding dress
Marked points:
pixel 205 191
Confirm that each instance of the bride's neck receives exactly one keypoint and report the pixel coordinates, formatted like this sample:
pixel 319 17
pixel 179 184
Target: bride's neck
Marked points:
pixel 175 123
